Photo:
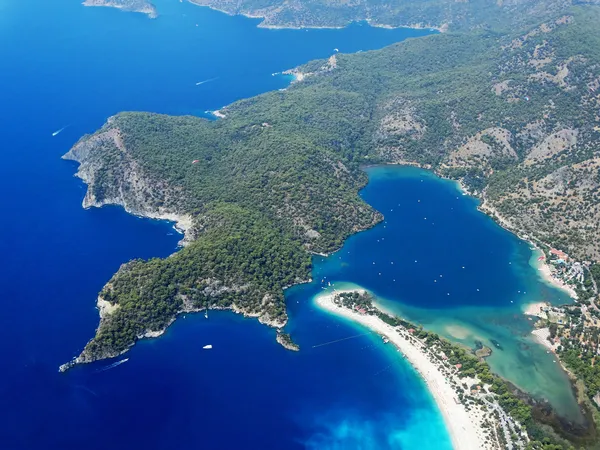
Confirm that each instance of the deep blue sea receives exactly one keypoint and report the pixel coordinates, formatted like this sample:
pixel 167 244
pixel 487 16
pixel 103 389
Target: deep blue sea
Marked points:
pixel 67 66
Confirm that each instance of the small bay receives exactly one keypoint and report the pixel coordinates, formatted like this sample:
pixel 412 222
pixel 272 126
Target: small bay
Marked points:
pixel 438 261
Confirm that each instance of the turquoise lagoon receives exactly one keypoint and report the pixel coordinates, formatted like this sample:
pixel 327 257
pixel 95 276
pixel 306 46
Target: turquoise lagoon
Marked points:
pixel 438 261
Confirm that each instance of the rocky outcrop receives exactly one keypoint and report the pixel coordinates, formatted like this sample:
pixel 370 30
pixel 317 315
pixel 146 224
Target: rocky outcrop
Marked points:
pixel 114 178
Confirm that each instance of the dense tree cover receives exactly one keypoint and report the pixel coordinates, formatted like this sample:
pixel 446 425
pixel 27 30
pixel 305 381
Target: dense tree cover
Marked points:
pixel 280 174
pixel 584 365
pixel 248 161
pixel 457 15
pixel 288 163
pixel 241 259
pixel 595 273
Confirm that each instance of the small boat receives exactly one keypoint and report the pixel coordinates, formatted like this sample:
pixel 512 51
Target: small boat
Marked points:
pixel 113 365
pixel 385 340
pixel 57 132
pixel 199 83
pixel 207 347
pixel 206 314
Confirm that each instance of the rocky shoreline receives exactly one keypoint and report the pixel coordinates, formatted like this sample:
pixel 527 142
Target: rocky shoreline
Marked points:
pixel 85 152
pixel 139 6
pixel 269 20
pixel 105 309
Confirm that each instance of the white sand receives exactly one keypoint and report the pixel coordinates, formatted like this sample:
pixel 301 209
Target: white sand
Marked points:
pixel 546 274
pixel 464 427
pixel 541 335
pixel 535 309
pixel 105 308
pixel 218 114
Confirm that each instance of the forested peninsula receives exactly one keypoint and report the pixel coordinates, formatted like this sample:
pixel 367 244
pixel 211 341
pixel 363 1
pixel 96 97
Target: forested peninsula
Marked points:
pixel 510 111
pixel 277 178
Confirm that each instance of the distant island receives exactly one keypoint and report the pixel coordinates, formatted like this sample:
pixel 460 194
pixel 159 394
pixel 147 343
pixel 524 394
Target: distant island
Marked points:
pixel 508 108
pixel 141 6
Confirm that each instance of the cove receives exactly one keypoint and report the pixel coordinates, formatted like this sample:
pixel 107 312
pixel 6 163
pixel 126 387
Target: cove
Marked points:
pixel 67 66
pixel 438 261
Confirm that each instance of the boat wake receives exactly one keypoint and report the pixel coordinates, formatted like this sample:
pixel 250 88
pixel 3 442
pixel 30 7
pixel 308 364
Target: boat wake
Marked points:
pixel 206 81
pixel 57 132
pixel 113 365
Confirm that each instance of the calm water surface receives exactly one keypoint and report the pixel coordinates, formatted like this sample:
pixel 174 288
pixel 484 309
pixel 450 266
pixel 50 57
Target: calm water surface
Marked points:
pixel 440 262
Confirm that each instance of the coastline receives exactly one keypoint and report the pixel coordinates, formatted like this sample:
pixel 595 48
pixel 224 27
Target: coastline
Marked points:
pixel 546 274
pixel 535 309
pixel 541 337
pixel 148 9
pixel 465 427
pixel 542 267
pixel 218 113
pixel 105 309
pixel 270 26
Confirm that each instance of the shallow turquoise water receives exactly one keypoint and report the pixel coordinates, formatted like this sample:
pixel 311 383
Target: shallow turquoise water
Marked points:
pixel 440 262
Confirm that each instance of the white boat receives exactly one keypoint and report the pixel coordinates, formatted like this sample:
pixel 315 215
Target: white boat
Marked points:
pixel 199 83
pixel 113 365
pixel 207 347
pixel 57 132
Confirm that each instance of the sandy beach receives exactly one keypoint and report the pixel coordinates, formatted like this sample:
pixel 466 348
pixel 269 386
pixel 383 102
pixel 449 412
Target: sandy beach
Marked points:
pixel 536 309
pixel 218 114
pixel 541 335
pixel 546 274
pixel 464 427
